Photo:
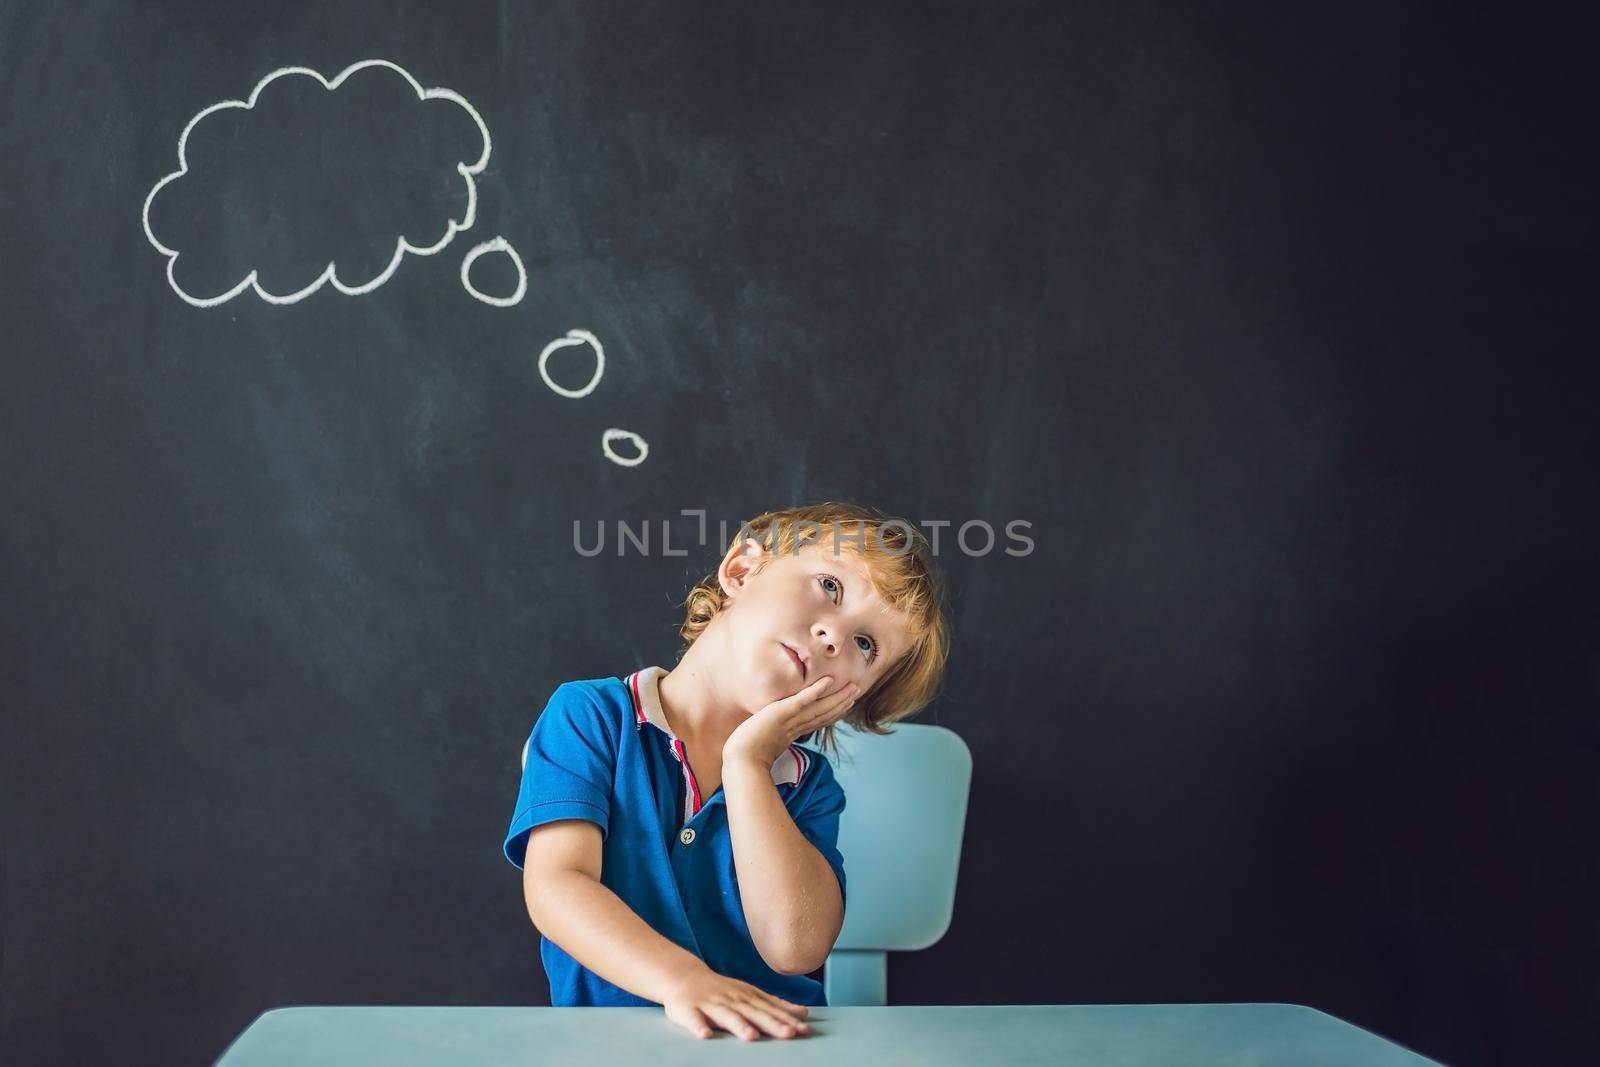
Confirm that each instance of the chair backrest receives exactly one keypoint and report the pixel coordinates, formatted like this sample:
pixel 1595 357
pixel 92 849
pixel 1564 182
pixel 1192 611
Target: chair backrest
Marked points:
pixel 900 836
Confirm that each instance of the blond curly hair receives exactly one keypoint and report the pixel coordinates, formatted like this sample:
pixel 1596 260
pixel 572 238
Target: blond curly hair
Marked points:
pixel 900 562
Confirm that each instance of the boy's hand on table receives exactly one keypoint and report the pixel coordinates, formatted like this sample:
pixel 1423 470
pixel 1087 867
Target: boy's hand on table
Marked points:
pixel 706 1001
pixel 764 736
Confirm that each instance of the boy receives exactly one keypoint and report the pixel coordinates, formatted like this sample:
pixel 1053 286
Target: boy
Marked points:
pixel 677 847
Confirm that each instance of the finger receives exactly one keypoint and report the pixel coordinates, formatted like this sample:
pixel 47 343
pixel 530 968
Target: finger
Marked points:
pixel 818 722
pixel 769 1019
pixel 731 1021
pixel 757 993
pixel 792 1013
pixel 810 698
pixel 817 690
pixel 791 1005
pixel 798 700
pixel 699 1025
pixel 823 700
pixel 834 708
pixel 845 689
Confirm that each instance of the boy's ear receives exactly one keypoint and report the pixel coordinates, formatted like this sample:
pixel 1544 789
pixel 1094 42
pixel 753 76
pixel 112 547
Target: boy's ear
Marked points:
pixel 737 564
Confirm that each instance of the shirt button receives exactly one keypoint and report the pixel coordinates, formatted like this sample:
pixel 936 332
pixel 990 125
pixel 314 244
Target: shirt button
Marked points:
pixel 687 837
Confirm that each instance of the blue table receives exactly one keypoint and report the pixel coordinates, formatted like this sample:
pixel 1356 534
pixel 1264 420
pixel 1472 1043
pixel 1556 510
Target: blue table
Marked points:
pixel 1094 1035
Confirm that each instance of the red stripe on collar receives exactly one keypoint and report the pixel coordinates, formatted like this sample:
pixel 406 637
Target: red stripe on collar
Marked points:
pixel 788 769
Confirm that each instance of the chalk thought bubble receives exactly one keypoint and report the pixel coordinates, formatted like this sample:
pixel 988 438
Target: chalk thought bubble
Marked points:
pixel 574 337
pixel 502 246
pixel 623 435
pixel 311 182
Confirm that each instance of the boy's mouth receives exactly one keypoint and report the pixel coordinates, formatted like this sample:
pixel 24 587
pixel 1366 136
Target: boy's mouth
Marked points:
pixel 795 658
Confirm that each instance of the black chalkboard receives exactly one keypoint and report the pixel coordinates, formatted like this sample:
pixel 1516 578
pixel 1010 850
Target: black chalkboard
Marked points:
pixel 1269 326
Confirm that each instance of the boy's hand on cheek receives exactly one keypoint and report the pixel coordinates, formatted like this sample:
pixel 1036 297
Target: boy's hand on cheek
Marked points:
pixel 762 738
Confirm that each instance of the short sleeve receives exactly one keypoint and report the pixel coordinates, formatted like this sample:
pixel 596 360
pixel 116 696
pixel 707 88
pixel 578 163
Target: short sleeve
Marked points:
pixel 569 772
pixel 819 810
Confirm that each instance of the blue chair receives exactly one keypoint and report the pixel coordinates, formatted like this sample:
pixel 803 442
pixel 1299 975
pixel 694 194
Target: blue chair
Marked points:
pixel 900 836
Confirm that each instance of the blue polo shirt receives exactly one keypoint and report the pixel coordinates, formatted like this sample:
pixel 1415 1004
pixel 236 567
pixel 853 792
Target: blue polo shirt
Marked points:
pixel 602 751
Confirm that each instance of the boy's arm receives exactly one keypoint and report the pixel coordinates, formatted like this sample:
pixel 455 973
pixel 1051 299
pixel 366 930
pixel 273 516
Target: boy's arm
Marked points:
pixel 569 905
pixel 791 897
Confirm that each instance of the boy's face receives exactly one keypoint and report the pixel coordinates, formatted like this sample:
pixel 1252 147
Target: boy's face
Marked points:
pixel 818 603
